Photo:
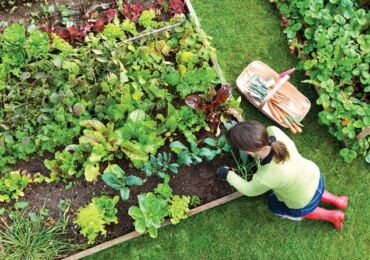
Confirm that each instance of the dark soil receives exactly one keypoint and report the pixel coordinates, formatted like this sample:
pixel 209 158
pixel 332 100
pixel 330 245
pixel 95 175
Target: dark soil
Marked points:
pixel 199 180
pixel 21 11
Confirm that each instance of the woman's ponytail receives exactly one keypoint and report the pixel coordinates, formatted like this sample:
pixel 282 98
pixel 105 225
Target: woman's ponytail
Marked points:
pixel 251 136
pixel 280 152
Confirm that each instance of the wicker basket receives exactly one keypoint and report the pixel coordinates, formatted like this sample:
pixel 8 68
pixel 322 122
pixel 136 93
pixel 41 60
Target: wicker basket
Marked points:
pixel 300 103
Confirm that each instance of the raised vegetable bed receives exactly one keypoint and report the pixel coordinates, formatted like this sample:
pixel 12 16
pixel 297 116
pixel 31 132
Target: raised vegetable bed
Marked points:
pixel 103 115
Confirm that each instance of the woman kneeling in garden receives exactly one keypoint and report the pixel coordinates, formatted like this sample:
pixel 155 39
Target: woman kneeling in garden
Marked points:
pixel 297 184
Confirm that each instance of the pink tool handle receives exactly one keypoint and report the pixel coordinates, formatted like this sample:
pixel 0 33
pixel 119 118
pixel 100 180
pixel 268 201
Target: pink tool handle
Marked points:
pixel 288 72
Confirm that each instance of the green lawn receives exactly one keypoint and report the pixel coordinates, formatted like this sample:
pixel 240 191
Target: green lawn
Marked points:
pixel 243 31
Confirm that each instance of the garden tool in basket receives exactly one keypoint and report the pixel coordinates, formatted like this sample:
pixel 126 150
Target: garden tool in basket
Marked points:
pixel 274 95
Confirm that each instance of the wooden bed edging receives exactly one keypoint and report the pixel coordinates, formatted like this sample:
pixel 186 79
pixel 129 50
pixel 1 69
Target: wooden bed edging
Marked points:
pixel 134 234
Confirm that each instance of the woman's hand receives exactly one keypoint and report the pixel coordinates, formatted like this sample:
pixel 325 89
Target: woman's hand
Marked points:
pixel 222 172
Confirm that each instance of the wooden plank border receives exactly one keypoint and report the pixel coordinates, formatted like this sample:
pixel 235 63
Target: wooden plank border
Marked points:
pixel 135 234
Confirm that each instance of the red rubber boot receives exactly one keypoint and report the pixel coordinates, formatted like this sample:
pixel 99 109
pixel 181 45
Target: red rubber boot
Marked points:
pixel 338 201
pixel 336 217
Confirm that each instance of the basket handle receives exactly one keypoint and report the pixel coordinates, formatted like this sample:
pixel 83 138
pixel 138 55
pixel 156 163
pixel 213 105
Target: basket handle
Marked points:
pixel 363 134
pixel 278 85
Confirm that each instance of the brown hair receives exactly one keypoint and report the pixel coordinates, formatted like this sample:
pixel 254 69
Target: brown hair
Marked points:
pixel 252 135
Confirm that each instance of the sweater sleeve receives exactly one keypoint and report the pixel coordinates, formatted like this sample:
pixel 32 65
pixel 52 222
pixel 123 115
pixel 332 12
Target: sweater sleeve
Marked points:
pixel 251 188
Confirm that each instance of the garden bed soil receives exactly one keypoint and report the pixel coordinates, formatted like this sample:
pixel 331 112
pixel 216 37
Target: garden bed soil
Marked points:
pixel 21 11
pixel 199 180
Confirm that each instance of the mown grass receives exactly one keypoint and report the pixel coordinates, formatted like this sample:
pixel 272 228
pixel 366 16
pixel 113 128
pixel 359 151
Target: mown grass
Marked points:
pixel 243 31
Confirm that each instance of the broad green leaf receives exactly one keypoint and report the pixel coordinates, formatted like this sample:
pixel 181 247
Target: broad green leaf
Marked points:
pixel 207 153
pixel 137 115
pixel 211 142
pixel 135 212
pixel 111 180
pixel 133 180
pixel 184 159
pixel 140 225
pixel 91 172
pixel 177 147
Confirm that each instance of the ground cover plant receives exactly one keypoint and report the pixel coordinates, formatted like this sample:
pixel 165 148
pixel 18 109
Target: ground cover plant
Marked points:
pixel 84 117
pixel 332 39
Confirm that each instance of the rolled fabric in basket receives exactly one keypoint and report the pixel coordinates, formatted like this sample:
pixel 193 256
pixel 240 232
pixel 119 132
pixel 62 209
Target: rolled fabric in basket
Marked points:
pixel 275 89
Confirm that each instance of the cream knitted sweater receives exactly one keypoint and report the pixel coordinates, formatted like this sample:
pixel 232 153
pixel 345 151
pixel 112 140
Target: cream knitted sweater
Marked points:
pixel 294 182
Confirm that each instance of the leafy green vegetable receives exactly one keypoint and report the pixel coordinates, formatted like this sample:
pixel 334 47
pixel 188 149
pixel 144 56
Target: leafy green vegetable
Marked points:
pixel 93 218
pixel 331 38
pixel 186 156
pixel 218 146
pixel 164 190
pixel 186 120
pixel 146 19
pixel 66 165
pixel 160 165
pixel 150 214
pixel 116 178
pixel 138 137
pixel 37 45
pixel 194 201
pixel 103 143
pixel 179 208
pixel 12 185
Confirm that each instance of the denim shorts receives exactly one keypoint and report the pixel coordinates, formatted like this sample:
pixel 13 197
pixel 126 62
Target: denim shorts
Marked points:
pixel 280 208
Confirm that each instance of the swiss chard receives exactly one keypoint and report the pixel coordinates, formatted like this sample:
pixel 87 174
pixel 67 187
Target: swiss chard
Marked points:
pixel 212 105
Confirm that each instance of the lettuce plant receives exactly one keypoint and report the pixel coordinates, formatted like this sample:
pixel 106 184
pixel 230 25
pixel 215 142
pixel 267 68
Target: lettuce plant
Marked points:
pixel 93 218
pixel 164 189
pixel 179 208
pixel 12 185
pixel 66 165
pixel 150 214
pixel 138 137
pixel 185 120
